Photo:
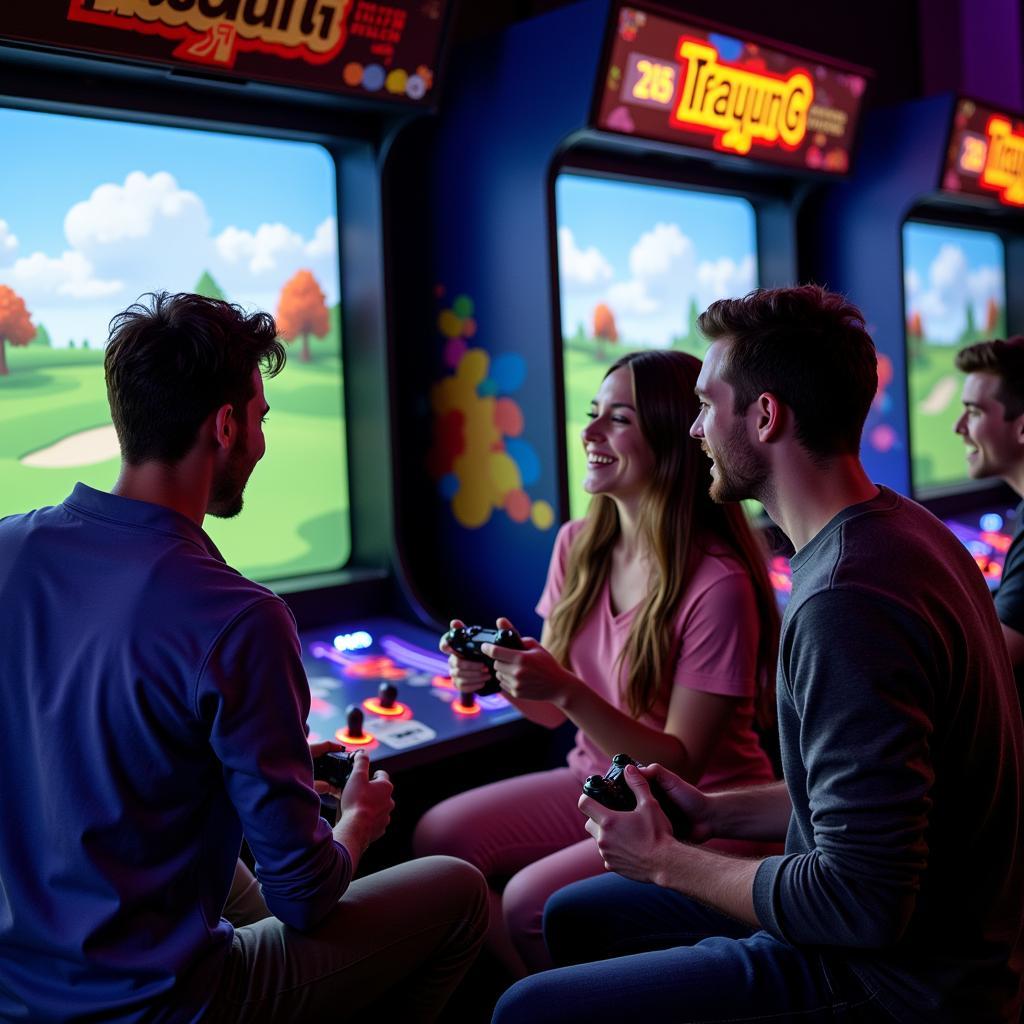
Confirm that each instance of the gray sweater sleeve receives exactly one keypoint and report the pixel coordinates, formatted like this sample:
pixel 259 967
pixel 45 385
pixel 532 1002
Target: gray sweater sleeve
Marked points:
pixel 858 675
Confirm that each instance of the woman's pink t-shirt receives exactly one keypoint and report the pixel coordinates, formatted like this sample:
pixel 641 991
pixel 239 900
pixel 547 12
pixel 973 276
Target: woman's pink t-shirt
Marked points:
pixel 716 636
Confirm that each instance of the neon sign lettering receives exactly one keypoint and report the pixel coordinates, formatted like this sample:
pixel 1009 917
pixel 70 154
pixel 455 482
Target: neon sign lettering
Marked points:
pixel 1004 165
pixel 211 29
pixel 741 106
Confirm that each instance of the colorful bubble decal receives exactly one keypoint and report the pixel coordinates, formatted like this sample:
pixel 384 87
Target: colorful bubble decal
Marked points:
pixel 479 460
pixel 398 82
pixel 878 431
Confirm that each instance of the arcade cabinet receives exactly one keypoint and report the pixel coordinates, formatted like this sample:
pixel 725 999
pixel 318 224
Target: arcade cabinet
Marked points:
pixel 596 194
pixel 928 238
pixel 209 148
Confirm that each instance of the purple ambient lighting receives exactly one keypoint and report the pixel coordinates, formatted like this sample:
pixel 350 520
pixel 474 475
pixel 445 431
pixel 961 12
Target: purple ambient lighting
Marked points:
pixel 414 657
pixel 321 650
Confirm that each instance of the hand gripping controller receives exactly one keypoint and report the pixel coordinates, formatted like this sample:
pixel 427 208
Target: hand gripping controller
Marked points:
pixel 466 642
pixel 612 790
pixel 334 767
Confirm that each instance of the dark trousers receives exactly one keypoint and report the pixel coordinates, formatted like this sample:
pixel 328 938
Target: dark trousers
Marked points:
pixel 635 952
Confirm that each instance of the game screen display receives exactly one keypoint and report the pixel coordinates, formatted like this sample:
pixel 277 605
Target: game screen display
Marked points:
pixel 95 213
pixel 954 295
pixel 637 264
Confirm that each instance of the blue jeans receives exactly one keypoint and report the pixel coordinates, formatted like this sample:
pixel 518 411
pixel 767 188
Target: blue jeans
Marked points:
pixel 674 960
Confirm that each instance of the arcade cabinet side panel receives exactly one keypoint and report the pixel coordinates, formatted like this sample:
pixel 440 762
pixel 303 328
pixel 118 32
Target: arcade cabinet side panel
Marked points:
pixel 859 239
pixel 482 417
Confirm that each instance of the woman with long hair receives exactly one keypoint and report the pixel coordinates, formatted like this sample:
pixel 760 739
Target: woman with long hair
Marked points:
pixel 659 640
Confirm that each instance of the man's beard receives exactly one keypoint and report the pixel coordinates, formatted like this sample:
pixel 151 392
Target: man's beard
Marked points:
pixel 739 473
pixel 226 493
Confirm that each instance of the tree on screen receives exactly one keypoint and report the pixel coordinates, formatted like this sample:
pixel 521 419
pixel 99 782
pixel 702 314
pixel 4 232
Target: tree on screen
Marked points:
pixel 605 331
pixel 915 337
pixel 991 316
pixel 207 286
pixel 16 325
pixel 302 311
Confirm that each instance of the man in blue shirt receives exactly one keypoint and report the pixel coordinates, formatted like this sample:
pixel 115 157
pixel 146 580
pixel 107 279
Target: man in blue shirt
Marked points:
pixel 154 711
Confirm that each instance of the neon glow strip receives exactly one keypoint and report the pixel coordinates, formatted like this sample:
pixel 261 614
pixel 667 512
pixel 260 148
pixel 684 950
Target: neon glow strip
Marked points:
pixel 321 650
pixel 415 657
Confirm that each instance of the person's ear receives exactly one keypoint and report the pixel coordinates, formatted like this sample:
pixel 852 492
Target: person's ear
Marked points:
pixel 769 417
pixel 224 426
pixel 1018 431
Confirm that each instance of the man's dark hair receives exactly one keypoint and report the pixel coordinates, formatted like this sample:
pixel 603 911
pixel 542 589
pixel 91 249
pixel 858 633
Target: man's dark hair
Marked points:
pixel 170 363
pixel 809 348
pixel 1006 360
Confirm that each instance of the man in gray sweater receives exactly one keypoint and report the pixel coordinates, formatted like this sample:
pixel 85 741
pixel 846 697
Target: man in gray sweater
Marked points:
pixel 901 890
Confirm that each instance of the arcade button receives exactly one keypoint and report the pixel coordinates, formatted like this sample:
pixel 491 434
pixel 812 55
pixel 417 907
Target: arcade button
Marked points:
pixel 353 734
pixel 386 703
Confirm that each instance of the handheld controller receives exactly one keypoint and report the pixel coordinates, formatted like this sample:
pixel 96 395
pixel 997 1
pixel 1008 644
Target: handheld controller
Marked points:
pixel 466 642
pixel 334 767
pixel 612 790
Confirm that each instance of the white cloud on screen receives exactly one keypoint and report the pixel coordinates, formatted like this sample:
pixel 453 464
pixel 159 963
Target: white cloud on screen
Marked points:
pixel 652 306
pixel 68 277
pixel 149 234
pixel 580 269
pixel 8 243
pixel 951 286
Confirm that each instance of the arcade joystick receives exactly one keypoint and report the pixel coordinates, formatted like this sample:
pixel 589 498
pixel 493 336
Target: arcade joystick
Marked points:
pixel 386 703
pixel 354 720
pixel 353 733
pixel 466 704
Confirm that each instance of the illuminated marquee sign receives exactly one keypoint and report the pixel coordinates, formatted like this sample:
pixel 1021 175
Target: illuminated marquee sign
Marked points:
pixel 986 154
pixel 676 83
pixel 380 51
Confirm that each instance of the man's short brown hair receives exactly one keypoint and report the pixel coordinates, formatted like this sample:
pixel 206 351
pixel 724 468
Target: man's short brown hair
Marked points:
pixel 808 347
pixel 1005 359
pixel 171 363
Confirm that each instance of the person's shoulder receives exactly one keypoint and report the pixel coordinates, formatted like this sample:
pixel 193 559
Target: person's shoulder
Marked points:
pixel 716 561
pixel 210 587
pixel 567 534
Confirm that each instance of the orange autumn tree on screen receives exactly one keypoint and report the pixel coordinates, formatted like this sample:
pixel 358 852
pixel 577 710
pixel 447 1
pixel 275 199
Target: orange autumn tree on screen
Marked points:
pixel 15 324
pixel 302 311
pixel 605 331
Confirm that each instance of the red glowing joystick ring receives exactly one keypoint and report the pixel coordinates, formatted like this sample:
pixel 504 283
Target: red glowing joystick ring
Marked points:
pixel 352 735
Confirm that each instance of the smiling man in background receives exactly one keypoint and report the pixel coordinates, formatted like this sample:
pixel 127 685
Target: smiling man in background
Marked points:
pixel 992 427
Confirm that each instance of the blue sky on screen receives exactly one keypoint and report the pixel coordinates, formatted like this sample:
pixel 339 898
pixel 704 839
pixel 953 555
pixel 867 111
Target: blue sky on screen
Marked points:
pixel 645 251
pixel 945 269
pixel 93 213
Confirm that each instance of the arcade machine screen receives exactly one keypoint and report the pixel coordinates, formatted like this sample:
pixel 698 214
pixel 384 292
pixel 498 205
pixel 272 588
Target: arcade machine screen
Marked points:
pixel 954 295
pixel 95 213
pixel 637 265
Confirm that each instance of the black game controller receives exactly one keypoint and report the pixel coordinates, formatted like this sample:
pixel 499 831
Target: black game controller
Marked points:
pixel 334 767
pixel 612 790
pixel 466 642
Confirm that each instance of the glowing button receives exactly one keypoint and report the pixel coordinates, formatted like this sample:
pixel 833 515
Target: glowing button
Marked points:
pixel 357 641
pixel 991 522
